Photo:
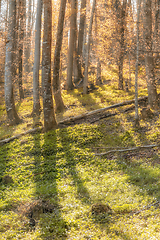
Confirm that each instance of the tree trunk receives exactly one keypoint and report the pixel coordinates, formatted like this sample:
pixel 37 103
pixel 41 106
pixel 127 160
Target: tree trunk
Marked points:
pixel 20 49
pixel 80 41
pixel 48 108
pixel 156 30
pixel 149 62
pixel 28 39
pixel 85 87
pixel 36 97
pixel 99 78
pixel 72 42
pixel 122 45
pixel 56 69
pixel 136 71
pixel 9 68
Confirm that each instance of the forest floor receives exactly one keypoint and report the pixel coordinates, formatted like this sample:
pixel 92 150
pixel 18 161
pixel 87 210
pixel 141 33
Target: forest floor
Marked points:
pixel 55 185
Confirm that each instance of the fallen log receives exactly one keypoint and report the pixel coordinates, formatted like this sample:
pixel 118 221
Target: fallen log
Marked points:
pixel 112 114
pixel 71 119
pixel 127 149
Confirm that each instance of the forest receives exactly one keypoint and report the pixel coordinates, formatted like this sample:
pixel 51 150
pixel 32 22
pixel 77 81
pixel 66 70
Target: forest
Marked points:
pixel 79 119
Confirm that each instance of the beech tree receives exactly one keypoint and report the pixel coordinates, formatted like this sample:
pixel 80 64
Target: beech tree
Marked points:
pixel 136 70
pixel 20 47
pixel 56 69
pixel 72 42
pixel 149 62
pixel 48 108
pixel 27 64
pixel 9 68
pixel 36 65
pixel 80 41
pixel 120 9
pixel 85 87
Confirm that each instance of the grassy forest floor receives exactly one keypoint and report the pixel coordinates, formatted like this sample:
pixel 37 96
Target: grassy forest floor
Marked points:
pixel 57 179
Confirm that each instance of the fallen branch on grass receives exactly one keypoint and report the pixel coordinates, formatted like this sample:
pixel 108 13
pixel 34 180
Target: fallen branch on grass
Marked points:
pixel 112 114
pixel 127 149
pixel 7 140
pixel 71 119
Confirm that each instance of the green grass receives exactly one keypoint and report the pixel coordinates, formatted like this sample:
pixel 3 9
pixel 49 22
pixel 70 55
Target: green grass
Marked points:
pixel 61 166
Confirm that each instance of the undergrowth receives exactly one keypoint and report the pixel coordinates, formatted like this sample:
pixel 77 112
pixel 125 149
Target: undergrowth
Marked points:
pixel 61 167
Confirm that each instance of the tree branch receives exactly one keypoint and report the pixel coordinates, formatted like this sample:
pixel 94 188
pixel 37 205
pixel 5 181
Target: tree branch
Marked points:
pixel 127 149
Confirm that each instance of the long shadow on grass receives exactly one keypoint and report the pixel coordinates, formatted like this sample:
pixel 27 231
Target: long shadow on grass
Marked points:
pixel 46 175
pixel 86 100
pixel 5 160
pixel 134 164
pixel 71 162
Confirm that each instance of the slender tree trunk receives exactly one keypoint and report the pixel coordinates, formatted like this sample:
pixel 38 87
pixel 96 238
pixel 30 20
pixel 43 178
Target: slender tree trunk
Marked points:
pixel 122 46
pixel 129 85
pixel 9 68
pixel 157 29
pixel 85 87
pixel 72 42
pixel 136 71
pixel 48 108
pixel 99 78
pixel 80 41
pixel 21 39
pixel 28 39
pixel 56 69
pixel 36 96
pixel 149 63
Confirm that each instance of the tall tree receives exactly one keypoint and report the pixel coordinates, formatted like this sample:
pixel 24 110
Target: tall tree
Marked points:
pixel 20 48
pixel 56 69
pixel 120 8
pixel 72 42
pixel 157 29
pixel 85 87
pixel 48 108
pixel 9 68
pixel 36 96
pixel 28 38
pixel 136 70
pixel 80 40
pixel 149 62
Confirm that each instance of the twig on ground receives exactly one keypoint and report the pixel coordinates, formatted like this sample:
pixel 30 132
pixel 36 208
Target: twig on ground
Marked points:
pixel 127 149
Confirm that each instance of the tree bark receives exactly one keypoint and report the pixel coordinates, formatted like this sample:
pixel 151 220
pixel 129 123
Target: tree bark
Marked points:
pixel 9 68
pixel 85 87
pixel 48 108
pixel 122 45
pixel 20 49
pixel 136 71
pixel 28 39
pixel 36 97
pixel 72 42
pixel 56 68
pixel 149 62
pixel 80 41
